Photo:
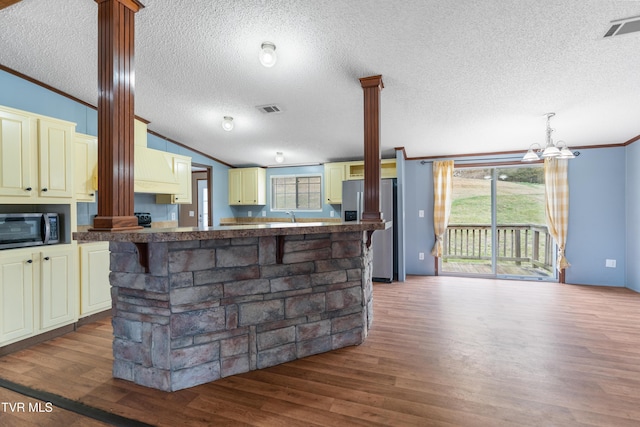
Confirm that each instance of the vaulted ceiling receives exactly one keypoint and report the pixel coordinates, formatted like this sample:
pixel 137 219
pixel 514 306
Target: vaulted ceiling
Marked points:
pixel 463 76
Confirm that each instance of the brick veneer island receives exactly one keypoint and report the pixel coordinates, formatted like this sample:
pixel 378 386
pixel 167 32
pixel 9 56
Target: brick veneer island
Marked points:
pixel 192 305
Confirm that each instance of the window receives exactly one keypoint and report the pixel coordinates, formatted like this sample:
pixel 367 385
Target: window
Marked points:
pixel 296 192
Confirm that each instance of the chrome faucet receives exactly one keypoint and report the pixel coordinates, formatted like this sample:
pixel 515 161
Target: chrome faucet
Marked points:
pixel 293 216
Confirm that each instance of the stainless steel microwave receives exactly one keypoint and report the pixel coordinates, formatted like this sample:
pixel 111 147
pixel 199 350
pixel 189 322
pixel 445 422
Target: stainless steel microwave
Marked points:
pixel 19 230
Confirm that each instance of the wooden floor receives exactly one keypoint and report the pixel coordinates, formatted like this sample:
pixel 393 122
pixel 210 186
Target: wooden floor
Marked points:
pixel 443 351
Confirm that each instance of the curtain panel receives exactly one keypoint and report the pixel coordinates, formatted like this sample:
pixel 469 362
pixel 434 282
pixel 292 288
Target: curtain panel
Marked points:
pixel 442 190
pixel 557 205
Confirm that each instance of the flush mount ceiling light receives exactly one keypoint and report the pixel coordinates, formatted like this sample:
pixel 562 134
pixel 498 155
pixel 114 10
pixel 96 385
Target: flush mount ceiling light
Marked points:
pixel 279 157
pixel 268 54
pixel 551 150
pixel 227 123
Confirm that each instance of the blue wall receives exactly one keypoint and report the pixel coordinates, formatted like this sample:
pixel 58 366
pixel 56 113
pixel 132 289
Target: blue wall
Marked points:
pixel 24 95
pixel 597 217
pixel 632 208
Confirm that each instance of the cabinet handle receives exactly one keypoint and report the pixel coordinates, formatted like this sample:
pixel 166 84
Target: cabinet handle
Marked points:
pixel 45 189
pixel 91 194
pixel 46 258
pixel 29 261
pixel 28 189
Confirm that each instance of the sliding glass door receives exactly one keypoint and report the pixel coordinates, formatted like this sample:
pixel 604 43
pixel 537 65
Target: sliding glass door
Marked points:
pixel 497 226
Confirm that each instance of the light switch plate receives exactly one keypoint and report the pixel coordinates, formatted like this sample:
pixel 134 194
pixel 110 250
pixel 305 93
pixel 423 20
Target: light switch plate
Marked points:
pixel 421 213
pixel 611 263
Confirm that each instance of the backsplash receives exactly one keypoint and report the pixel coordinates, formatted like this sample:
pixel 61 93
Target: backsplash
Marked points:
pixel 142 203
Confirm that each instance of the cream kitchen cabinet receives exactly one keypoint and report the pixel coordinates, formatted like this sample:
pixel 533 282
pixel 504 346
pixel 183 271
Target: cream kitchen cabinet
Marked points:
pixel 334 174
pixel 16 296
pixel 17 153
pixel 58 286
pixel 86 167
pixel 36 154
pixel 95 289
pixel 182 171
pixel 247 186
pixel 37 291
pixel 355 170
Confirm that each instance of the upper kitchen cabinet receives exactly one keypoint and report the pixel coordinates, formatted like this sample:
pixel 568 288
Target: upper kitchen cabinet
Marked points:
pixel 17 153
pixel 355 170
pixel 36 155
pixel 182 172
pixel 86 167
pixel 334 174
pixel 247 186
pixel 55 152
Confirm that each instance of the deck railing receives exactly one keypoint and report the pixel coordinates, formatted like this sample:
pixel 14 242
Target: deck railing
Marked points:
pixel 520 243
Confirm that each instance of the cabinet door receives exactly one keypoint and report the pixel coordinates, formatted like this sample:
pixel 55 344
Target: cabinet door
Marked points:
pixel 55 152
pixel 16 154
pixel 182 170
pixel 333 177
pixel 95 289
pixel 85 167
pixel 235 186
pixel 16 297
pixel 57 287
pixel 249 186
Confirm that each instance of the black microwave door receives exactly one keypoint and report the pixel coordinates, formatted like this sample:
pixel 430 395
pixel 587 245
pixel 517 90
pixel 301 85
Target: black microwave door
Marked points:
pixel 20 230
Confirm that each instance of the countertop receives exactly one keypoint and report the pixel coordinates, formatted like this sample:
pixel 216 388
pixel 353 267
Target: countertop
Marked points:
pixel 229 231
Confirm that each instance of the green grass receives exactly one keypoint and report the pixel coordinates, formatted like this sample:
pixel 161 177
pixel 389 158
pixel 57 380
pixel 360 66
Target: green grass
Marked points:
pixel 517 203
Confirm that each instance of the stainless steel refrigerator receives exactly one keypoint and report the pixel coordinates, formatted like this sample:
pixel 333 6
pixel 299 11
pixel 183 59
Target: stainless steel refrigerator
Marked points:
pixel 383 241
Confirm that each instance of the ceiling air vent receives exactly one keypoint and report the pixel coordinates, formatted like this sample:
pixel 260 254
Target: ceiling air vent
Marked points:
pixel 623 26
pixel 269 109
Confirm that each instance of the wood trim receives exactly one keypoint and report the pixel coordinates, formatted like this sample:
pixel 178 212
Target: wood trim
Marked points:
pixel 44 85
pixel 371 87
pixel 632 140
pixel 173 141
pixel 501 153
pixel 7 3
pixel 133 5
pixel 404 152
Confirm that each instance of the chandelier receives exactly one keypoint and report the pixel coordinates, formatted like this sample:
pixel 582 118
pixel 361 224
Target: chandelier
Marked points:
pixel 551 150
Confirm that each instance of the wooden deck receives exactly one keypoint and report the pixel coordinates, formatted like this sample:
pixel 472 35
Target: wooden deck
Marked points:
pixel 484 268
pixel 443 351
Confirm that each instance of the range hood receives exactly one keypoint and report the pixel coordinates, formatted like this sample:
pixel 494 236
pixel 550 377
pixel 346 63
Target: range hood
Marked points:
pixel 153 172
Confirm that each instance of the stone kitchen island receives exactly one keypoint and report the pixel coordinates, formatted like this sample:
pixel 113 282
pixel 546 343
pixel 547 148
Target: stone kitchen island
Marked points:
pixel 193 305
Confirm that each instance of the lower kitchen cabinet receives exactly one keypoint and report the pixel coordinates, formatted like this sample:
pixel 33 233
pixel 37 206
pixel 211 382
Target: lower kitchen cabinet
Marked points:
pixel 16 296
pixel 95 289
pixel 37 291
pixel 58 284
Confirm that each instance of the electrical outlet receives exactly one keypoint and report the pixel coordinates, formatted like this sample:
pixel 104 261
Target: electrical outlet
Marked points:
pixel 192 213
pixel 332 214
pixel 611 263
pixel 249 214
pixel 421 213
pixel 173 216
pixel 264 213
pixel 421 256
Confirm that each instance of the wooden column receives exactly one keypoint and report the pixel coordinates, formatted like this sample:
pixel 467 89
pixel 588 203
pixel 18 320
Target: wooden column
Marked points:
pixel 372 87
pixel 115 115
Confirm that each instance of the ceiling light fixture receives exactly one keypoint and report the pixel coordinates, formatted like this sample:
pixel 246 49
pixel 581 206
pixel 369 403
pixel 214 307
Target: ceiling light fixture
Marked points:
pixel 268 54
pixel 227 123
pixel 551 150
pixel 279 157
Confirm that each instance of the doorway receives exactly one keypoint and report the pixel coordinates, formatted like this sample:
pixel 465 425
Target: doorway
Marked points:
pixel 497 226
pixel 198 212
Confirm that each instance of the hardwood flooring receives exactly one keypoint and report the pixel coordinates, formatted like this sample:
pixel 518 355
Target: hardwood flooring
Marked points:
pixel 443 351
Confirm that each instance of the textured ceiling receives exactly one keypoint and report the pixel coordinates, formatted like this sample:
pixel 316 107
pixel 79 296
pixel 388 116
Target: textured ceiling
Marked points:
pixel 460 76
